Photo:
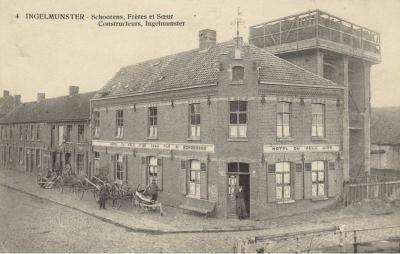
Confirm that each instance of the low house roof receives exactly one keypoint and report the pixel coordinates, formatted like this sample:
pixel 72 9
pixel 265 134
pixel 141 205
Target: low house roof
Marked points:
pixel 66 108
pixel 385 125
pixel 195 67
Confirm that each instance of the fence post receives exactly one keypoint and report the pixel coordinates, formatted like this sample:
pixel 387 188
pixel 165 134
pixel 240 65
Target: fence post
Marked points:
pixel 355 241
pixel 341 240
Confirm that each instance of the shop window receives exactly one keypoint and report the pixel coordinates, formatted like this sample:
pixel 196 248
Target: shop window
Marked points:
pixel 194 119
pixel 119 115
pixel 152 169
pixel 152 122
pixel 118 167
pixel 283 182
pixel 194 178
pixel 81 133
pixel 96 124
pixel 238 119
pixel 238 73
pixel 318 117
pixel 318 178
pixel 68 131
pixel 283 124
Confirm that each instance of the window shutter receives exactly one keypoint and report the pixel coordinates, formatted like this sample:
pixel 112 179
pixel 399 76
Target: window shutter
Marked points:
pixel 112 163
pixel 125 163
pixel 307 180
pixel 331 179
pixel 271 183
pixel 144 170
pixel 183 177
pixel 160 173
pixel 292 180
pixel 203 181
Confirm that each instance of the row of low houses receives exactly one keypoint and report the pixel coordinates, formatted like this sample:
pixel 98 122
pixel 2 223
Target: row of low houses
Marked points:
pixel 205 121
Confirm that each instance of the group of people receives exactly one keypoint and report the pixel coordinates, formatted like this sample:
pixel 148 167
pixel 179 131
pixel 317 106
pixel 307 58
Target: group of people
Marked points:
pixel 106 189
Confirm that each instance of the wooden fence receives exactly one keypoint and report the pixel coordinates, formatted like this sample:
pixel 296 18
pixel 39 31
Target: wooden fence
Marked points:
pixel 356 192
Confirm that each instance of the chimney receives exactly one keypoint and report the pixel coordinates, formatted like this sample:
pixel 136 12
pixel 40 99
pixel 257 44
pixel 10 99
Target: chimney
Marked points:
pixel 17 99
pixel 41 97
pixel 73 90
pixel 6 93
pixel 207 39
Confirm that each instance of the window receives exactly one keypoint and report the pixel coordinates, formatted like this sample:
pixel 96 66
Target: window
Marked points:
pixel 96 163
pixel 1 132
pixel 119 119
pixel 21 136
pixel 119 173
pixel 194 120
pixel 11 133
pixel 20 156
pixel 96 124
pixel 38 132
pixel 60 134
pixel 318 178
pixel 152 169
pixel 318 117
pixel 96 155
pixel 152 132
pixel 237 73
pixel 37 157
pixel 238 119
pixel 194 178
pixel 31 131
pixel 81 133
pixel 282 176
pixel 26 132
pixel 68 133
pixel 79 162
pixel 284 112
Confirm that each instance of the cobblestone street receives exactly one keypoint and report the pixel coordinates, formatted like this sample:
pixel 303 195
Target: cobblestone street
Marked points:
pixel 31 224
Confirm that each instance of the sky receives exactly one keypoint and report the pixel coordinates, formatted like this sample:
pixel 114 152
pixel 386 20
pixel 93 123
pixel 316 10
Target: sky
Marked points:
pixel 48 56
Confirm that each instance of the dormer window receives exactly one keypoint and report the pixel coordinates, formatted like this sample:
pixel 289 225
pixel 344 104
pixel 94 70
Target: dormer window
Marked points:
pixel 237 73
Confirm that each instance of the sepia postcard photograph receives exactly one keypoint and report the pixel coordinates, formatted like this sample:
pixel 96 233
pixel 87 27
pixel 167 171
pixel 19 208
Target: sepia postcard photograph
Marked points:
pixel 195 126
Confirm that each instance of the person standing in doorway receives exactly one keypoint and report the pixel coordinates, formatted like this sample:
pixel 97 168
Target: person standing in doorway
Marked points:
pixel 103 195
pixel 241 209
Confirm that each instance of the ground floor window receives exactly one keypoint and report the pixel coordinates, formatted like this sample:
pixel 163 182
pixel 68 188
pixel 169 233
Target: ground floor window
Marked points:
pixel 119 173
pixel 318 178
pixel 283 183
pixel 79 162
pixel 152 169
pixel 194 178
pixel 37 157
pixel 20 155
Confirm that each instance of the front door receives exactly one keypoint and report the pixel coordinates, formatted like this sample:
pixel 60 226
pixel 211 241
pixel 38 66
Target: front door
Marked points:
pixel 238 176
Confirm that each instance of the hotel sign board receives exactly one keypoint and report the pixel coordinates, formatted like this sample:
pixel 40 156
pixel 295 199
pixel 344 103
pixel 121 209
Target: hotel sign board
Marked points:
pixel 156 145
pixel 301 148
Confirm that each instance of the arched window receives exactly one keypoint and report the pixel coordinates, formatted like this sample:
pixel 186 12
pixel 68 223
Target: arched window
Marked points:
pixel 237 73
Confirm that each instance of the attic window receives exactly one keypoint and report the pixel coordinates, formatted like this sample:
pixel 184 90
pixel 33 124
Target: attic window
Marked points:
pixel 237 73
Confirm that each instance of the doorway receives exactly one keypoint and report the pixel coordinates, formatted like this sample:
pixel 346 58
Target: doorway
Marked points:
pixel 238 176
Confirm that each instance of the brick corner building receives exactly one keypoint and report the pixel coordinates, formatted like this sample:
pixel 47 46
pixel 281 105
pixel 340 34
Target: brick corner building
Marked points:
pixel 205 121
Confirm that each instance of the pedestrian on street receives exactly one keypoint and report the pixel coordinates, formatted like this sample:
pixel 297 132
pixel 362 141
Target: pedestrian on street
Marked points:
pixel 152 190
pixel 103 195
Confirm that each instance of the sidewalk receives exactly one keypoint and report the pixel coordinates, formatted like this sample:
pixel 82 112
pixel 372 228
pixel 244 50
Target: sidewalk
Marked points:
pixel 175 220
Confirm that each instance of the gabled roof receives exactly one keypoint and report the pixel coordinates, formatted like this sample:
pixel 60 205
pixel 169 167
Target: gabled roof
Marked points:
pixel 385 125
pixel 195 67
pixel 65 108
